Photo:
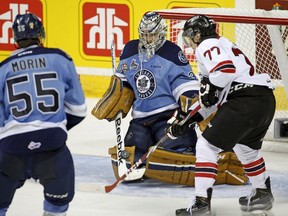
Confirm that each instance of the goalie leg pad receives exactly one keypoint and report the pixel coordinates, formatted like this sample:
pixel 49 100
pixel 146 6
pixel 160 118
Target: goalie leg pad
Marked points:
pixel 230 170
pixel 177 168
pixel 116 98
pixel 171 167
pixel 129 160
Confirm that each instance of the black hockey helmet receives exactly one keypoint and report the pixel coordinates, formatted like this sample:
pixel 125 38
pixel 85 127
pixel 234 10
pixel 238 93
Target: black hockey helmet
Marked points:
pixel 201 24
pixel 28 26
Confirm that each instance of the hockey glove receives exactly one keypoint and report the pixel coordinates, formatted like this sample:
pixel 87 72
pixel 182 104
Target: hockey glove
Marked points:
pixel 176 130
pixel 208 93
pixel 177 116
pixel 175 127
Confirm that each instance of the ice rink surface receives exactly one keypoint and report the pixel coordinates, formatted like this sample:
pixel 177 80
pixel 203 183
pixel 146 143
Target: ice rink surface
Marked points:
pixel 89 143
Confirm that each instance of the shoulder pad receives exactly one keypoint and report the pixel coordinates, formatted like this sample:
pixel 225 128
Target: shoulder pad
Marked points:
pixel 130 49
pixel 173 53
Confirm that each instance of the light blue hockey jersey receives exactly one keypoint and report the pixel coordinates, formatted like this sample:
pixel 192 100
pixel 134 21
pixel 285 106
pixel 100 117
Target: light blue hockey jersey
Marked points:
pixel 39 88
pixel 158 83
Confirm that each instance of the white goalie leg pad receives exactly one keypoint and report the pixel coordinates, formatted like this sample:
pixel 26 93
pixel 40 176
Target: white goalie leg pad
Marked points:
pixel 205 152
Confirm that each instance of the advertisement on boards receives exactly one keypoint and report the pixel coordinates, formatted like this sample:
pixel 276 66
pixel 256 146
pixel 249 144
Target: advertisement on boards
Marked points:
pixel 83 29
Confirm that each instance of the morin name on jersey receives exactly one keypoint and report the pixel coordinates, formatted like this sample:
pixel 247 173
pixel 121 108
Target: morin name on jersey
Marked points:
pixel 28 64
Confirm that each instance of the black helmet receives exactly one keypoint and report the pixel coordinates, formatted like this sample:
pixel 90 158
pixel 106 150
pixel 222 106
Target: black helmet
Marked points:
pixel 28 26
pixel 204 25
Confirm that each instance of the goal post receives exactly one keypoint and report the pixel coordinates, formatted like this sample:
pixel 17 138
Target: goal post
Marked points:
pixel 262 35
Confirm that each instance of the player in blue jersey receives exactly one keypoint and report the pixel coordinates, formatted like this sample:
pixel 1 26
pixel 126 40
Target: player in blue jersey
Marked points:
pixel 40 100
pixel 159 73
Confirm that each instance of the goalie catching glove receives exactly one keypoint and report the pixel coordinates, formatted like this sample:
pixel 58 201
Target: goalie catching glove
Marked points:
pixel 117 98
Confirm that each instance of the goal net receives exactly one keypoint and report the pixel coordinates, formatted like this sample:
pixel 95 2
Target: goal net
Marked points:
pixel 261 35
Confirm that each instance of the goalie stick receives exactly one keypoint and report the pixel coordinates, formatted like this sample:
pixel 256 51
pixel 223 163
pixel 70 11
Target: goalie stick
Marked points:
pixel 121 152
pixel 109 188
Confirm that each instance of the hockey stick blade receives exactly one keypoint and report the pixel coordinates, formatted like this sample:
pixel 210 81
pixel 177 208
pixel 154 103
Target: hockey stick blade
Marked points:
pixel 135 175
pixel 109 188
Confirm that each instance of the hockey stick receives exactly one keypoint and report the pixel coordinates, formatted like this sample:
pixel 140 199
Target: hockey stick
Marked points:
pixel 109 188
pixel 121 152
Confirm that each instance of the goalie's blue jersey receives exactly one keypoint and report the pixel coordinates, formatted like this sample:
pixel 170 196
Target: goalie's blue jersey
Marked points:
pixel 159 82
pixel 39 89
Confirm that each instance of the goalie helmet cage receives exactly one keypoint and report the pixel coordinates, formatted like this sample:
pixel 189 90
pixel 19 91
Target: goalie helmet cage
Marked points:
pixel 262 35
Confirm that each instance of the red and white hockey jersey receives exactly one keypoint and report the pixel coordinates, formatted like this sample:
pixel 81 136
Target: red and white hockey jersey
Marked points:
pixel 223 62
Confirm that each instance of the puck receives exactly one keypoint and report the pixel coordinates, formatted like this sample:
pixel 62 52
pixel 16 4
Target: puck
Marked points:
pixel 125 154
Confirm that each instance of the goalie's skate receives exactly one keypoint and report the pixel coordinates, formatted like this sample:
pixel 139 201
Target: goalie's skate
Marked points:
pixel 201 206
pixel 259 199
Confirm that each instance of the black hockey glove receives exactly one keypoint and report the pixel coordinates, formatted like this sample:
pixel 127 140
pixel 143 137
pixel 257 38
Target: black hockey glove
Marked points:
pixel 176 130
pixel 175 127
pixel 208 93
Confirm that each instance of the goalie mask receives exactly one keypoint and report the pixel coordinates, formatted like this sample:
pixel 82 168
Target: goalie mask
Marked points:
pixel 198 28
pixel 152 32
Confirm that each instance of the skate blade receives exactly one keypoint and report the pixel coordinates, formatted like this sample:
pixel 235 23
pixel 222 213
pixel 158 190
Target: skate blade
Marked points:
pixel 260 207
pixel 185 213
pixel 258 213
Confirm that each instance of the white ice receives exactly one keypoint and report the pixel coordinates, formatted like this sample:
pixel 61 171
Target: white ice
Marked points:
pixel 89 143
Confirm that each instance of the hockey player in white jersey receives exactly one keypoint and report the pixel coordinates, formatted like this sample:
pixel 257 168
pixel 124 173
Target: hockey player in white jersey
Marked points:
pixel 158 72
pixel 247 106
pixel 41 99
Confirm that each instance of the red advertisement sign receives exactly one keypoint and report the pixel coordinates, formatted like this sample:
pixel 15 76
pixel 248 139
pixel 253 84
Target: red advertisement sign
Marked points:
pixel 101 22
pixel 8 11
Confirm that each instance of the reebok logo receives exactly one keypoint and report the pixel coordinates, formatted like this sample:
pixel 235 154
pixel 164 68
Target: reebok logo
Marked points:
pixel 8 11
pixel 100 21
pixel 119 140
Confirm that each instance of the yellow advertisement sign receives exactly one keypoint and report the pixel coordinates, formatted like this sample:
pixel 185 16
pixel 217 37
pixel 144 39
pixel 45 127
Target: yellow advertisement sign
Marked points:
pixel 83 30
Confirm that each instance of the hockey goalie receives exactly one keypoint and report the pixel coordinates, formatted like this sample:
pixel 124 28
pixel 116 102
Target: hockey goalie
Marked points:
pixel 155 78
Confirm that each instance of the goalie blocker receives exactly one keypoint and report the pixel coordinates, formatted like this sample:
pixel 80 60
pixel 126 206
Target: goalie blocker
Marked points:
pixel 179 168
